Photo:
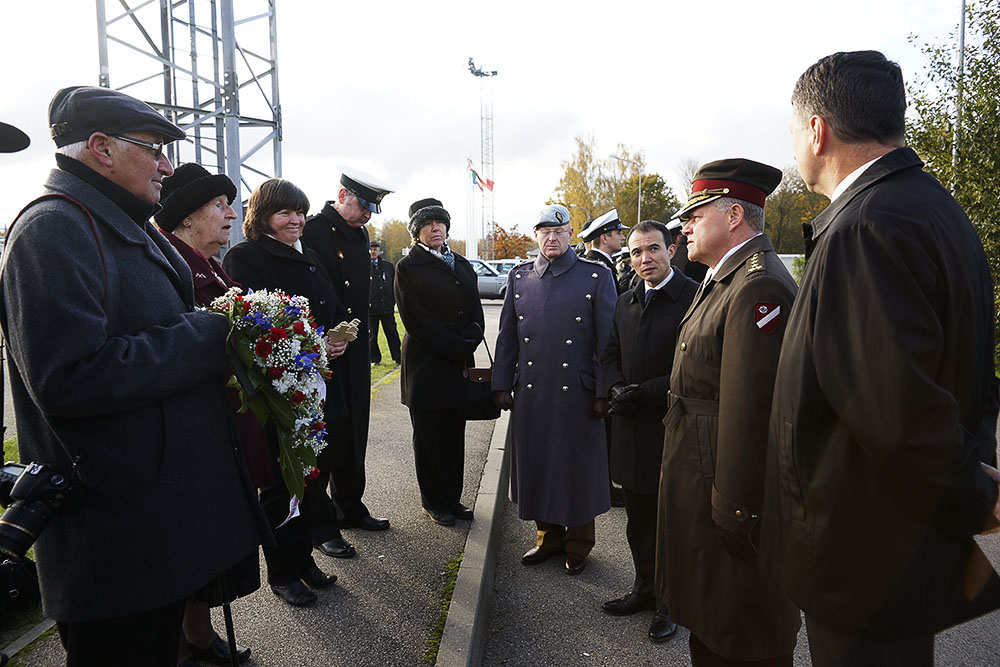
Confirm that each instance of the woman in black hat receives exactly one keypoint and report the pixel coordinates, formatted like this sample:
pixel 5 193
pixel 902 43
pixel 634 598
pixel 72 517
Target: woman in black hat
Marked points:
pixel 437 293
pixel 196 216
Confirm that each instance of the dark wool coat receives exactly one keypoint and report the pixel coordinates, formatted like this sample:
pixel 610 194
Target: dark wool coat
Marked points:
pixel 713 458
pixel 554 324
pixel 884 405
pixel 381 300
pixel 270 264
pixel 640 351
pixel 211 282
pixel 345 253
pixel 597 256
pixel 109 359
pixel 441 312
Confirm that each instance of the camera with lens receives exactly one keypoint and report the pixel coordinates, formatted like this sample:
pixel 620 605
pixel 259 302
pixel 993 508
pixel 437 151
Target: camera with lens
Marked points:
pixel 31 493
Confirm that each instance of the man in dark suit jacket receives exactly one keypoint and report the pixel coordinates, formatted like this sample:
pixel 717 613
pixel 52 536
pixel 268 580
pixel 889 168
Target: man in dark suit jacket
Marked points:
pixel 382 306
pixel 338 234
pixel 636 364
pixel 885 395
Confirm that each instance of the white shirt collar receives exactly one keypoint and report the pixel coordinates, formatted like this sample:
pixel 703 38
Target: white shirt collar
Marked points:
pixel 297 245
pixel 712 269
pixel 850 178
pixel 663 282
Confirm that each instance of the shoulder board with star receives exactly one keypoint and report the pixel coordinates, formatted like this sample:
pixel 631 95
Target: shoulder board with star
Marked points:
pixel 755 263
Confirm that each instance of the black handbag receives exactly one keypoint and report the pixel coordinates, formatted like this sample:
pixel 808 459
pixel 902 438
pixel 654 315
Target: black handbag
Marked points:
pixel 18 585
pixel 479 405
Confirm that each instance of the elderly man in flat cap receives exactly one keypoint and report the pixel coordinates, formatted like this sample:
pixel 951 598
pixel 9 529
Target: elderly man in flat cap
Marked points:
pixel 117 386
pixel 339 235
pixel 554 324
pixel 712 476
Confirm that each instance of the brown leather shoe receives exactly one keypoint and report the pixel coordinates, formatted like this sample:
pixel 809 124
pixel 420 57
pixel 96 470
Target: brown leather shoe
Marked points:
pixel 536 555
pixel 575 563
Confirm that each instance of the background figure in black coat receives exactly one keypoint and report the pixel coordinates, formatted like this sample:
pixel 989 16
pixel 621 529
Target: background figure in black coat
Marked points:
pixel 272 258
pixel 694 270
pixel 636 364
pixel 438 296
pixel 338 234
pixel 381 306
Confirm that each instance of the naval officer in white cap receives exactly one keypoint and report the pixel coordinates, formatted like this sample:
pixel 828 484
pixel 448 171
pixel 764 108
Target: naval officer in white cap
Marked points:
pixel 338 234
pixel 605 237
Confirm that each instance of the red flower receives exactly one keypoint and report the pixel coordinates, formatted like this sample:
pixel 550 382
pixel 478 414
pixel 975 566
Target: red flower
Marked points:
pixel 299 327
pixel 263 348
pixel 278 334
pixel 275 372
pixel 298 397
pixel 313 474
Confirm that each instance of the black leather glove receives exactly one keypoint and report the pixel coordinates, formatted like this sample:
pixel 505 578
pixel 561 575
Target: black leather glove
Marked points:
pixel 740 547
pixel 625 398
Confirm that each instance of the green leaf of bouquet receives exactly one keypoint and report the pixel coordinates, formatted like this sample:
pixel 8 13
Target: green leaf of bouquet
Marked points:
pixel 291 469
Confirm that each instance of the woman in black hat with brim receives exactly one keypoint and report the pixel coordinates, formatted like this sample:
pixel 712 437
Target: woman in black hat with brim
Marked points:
pixel 437 293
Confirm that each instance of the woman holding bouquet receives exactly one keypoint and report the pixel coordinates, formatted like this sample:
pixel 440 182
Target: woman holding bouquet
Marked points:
pixel 438 297
pixel 272 257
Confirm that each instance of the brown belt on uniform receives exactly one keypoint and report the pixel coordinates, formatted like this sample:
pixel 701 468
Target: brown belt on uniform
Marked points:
pixel 694 406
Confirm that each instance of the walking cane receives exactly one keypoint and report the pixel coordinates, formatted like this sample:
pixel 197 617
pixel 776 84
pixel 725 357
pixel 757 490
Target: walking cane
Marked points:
pixel 227 613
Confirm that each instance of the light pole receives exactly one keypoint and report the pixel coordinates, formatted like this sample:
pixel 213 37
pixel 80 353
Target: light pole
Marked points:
pixel 638 168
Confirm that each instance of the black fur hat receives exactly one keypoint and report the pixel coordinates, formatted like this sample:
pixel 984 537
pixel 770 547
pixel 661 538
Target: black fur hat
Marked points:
pixel 188 189
pixel 425 211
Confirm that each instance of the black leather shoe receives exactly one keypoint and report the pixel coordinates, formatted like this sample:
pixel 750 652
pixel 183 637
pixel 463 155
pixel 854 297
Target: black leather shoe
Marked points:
pixel 461 512
pixel 662 628
pixel 317 578
pixel 368 522
pixel 575 563
pixel 536 555
pixel 338 548
pixel 295 593
pixel 440 517
pixel 218 653
pixel 628 604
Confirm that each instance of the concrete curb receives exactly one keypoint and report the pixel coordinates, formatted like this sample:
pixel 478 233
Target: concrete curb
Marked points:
pixel 468 616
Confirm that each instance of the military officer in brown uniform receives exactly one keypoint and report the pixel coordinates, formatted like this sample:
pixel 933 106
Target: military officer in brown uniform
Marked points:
pixel 712 477
pixel 554 325
pixel 885 397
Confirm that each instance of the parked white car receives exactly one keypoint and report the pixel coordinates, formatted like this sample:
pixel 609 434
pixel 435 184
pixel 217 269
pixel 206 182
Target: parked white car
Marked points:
pixel 491 284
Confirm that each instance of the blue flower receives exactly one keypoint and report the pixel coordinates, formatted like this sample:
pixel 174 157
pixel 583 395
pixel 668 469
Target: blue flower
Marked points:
pixel 292 310
pixel 306 359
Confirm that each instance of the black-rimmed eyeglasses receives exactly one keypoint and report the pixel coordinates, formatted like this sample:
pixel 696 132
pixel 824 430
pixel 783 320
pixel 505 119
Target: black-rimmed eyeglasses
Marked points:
pixel 156 148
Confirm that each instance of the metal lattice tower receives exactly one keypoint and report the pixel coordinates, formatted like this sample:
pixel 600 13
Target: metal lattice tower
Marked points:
pixel 186 58
pixel 486 133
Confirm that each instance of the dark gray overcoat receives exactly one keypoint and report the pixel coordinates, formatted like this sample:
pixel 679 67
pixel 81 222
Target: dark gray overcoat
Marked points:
pixel 714 450
pixel 109 359
pixel 554 324
pixel 640 351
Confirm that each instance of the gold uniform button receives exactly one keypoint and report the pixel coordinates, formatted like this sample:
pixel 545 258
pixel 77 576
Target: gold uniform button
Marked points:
pixel 565 388
pixel 340 255
pixel 348 311
pixel 739 512
pixel 684 346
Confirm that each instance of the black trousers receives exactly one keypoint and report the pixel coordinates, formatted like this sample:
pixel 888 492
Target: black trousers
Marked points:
pixel 391 337
pixel 439 455
pixel 151 638
pixel 346 469
pixel 702 656
pixel 833 648
pixel 640 530
pixel 291 555
pixel 318 508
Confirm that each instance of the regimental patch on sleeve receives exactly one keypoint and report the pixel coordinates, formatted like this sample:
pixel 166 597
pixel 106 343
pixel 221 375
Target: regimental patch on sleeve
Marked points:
pixel 767 316
pixel 754 264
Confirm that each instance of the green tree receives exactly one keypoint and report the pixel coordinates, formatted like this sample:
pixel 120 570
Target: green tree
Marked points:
pixel 931 132
pixel 506 244
pixel 658 200
pixel 393 237
pixel 790 205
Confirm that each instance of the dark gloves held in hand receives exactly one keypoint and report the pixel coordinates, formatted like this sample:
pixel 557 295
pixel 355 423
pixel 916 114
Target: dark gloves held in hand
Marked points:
pixel 626 399
pixel 740 547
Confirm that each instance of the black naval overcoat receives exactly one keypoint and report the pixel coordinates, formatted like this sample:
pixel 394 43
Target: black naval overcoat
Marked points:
pixel 598 256
pixel 344 251
pixel 713 458
pixel 640 351
pixel 881 414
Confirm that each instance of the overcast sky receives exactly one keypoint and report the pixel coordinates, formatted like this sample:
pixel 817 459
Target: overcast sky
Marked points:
pixel 384 86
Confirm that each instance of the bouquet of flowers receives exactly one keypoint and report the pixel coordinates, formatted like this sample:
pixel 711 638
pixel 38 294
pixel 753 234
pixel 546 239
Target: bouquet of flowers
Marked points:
pixel 279 365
